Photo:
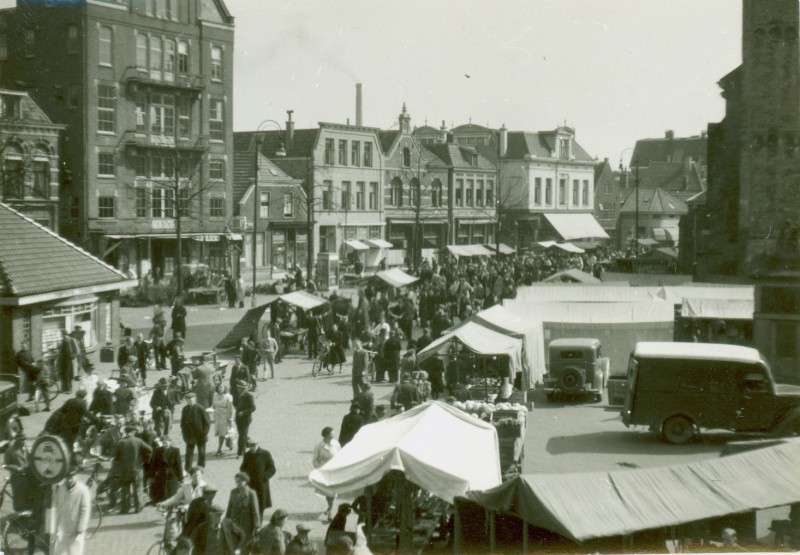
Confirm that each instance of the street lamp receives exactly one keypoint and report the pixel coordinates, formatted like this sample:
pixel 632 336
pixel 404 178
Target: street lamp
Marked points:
pixel 636 185
pixel 256 196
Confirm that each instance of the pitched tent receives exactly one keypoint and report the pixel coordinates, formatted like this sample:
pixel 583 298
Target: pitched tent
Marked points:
pixel 481 340
pixel 566 247
pixel 303 299
pixel 581 507
pixel 573 275
pixel 469 250
pixel 722 309
pixel 676 293
pixel 396 277
pixel 581 292
pixel 438 447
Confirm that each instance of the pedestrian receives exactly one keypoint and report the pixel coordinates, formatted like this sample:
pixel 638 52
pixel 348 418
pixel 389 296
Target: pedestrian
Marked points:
pixel 259 467
pixel 42 384
pixel 270 539
pixel 190 489
pixel 425 339
pixel 405 394
pixel 223 415
pixel 123 398
pixel 336 354
pixel 73 506
pixel 337 542
pixel 102 400
pixel 230 290
pixel 130 456
pixel 239 373
pixel 242 520
pixel 323 452
pixel 301 544
pixel 175 350
pixel 179 319
pixel 125 352
pixel 351 423
pixel 391 355
pixel 275 332
pixel 244 416
pixel 162 407
pixel 366 404
pixel 142 353
pixel 203 386
pixel 26 368
pixel 202 523
pixel 167 470
pixel 194 426
pixel 159 347
pixel 270 353
pixel 360 361
pixel 314 327
pixel 250 358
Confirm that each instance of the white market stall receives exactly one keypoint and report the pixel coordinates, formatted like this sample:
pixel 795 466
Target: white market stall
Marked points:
pixel 396 277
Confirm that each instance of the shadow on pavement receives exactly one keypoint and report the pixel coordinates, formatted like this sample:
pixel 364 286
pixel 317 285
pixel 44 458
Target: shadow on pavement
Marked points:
pixel 326 403
pixel 631 442
pixel 303 517
pixel 156 527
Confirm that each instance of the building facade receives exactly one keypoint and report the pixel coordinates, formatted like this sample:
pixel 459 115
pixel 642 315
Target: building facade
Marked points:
pixel 607 198
pixel 145 88
pixel 30 168
pixel 657 215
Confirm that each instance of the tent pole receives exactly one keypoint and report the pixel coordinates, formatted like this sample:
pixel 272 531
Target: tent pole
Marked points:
pixel 368 524
pixel 456 529
pixel 492 533
pixel 525 538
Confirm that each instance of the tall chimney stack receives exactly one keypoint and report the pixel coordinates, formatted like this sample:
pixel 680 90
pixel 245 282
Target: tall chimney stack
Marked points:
pixel 358 104
pixel 289 129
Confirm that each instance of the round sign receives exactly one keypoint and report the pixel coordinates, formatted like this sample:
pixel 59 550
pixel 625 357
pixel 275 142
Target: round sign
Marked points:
pixel 49 459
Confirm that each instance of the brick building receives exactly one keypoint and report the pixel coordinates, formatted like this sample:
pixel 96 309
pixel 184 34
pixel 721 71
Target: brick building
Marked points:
pixel 145 88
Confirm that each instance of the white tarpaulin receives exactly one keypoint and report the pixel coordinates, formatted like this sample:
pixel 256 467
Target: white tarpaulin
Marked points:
pixel 478 339
pixel 379 244
pixel 438 447
pixel 583 293
pixel 469 250
pixel 722 309
pixel 566 247
pixel 572 275
pixel 396 277
pixel 576 226
pixel 676 293
pixel 304 300
pixel 356 245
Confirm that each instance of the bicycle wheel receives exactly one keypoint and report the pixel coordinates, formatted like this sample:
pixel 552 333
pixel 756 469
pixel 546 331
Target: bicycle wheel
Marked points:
pixel 95 520
pixel 52 390
pixel 369 375
pixel 156 549
pixel 16 534
pixel 6 492
pixel 316 368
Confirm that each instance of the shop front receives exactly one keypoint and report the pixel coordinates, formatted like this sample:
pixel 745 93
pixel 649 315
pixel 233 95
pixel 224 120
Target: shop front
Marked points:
pixel 289 247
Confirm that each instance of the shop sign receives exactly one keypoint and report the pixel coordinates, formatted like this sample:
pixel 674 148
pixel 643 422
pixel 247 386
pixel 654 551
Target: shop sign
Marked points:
pixel 163 224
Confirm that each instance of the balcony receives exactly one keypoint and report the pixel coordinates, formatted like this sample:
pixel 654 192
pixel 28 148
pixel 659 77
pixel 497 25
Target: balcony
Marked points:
pixel 138 139
pixel 135 78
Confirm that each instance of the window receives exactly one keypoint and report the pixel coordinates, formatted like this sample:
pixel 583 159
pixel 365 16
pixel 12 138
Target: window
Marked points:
pixel 355 153
pixel 105 207
pixel 155 57
pixel 13 178
pixel 459 200
pixel 73 95
pixel 216 207
pixel 104 57
pixel 184 121
pixel 41 179
pixel 263 211
pixel 415 193
pixel 105 163
pixel 373 195
pixel 9 106
pixel 29 42
pixel 342 152
pixel 397 192
pixel 479 193
pixel 548 191
pixel 406 157
pixel 327 195
pixel 3 47
pixel 607 188
pixel 139 166
pixel 162 114
pixel 586 192
pixel 346 195
pixel 141 52
pixel 329 151
pixel 470 186
pixel 141 202
pixel 537 191
pixel 183 202
pixel 72 39
pixel 490 193
pixel 183 57
pixel 436 193
pixel 74 207
pixel 106 103
pixel 216 63
pixel 216 126
pixel 162 204
pixel 576 192
pixel 288 205
pixel 169 59
pixel 367 155
pixel 563 148
pixel 562 191
pixel 360 193
pixel 140 111
pixel 216 168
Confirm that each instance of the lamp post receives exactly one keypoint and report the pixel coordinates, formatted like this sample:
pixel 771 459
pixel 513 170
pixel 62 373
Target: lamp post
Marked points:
pixel 636 198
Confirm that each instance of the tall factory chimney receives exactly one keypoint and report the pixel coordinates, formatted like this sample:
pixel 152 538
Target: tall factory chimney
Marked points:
pixel 358 104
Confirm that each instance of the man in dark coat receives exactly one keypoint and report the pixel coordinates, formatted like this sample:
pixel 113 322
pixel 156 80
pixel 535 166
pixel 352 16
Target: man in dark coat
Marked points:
pixel 25 365
pixel 244 415
pixel 194 427
pixel 125 351
pixel 230 290
pixel 202 522
pixel 242 519
pixel 73 412
pixel 425 339
pixel 351 423
pixel 162 408
pixel 102 400
pixel 167 470
pixel 175 351
pixel 142 353
pixel 366 404
pixel 250 357
pixel 179 319
pixel 130 456
pixel 391 355
pixel 405 394
pixel 239 373
pixel 360 362
pixel 259 466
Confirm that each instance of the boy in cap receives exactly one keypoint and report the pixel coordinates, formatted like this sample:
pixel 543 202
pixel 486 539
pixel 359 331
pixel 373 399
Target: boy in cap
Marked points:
pixel 202 521
pixel 301 544
pixel 270 539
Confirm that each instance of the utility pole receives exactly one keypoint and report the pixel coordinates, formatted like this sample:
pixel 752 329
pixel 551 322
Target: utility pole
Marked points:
pixel 176 201
pixel 256 202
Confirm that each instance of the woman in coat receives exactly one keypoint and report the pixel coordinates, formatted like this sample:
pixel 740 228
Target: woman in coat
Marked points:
pixel 179 319
pixel 167 471
pixel 223 414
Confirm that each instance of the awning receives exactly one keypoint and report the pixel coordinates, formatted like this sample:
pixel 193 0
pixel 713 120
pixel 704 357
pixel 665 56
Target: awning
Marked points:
pixel 379 244
pixel 246 325
pixel 567 247
pixel 572 275
pixel 666 234
pixel 356 245
pixel 647 242
pixel 469 250
pixel 722 309
pixel 203 237
pixel 303 299
pixel 504 249
pixel 465 221
pixel 396 277
pixel 576 226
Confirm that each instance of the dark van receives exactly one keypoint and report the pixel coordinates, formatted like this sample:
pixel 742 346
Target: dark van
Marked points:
pixel 678 388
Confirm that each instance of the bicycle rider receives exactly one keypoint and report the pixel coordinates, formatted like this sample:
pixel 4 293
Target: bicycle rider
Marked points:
pixel 192 488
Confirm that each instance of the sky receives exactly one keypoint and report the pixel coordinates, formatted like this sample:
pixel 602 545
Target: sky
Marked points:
pixel 614 70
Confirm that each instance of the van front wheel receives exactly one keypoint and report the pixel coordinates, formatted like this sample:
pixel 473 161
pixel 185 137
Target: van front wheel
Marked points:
pixel 677 430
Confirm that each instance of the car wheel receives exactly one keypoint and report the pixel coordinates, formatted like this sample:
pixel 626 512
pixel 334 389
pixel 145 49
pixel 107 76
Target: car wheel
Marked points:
pixel 677 430
pixel 571 380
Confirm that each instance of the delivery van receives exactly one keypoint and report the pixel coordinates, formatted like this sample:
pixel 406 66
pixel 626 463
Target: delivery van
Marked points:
pixel 679 388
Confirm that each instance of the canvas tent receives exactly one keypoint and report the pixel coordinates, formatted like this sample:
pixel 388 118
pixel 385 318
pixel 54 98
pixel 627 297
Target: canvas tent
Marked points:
pixel 469 250
pixel 573 275
pixel 438 447
pixel 676 293
pixel 583 293
pixel 713 309
pixel 480 340
pixel 566 247
pixel 504 249
pixel 396 277
pixel 592 505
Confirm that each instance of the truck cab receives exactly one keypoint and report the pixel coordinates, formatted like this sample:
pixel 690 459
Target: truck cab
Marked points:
pixel 576 368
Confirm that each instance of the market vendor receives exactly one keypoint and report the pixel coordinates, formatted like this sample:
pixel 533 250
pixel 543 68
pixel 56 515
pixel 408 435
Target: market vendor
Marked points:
pixel 505 391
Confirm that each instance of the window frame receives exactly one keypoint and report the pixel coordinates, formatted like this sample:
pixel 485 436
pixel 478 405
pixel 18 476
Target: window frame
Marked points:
pixel 367 155
pixel 216 211
pixel 355 153
pixel 105 160
pixel 105 51
pixel 216 169
pixel 374 194
pixel 106 110
pixel 264 201
pixel 217 65
pixel 361 191
pixel 182 58
pixel 142 52
pixel 342 152
pixel 140 201
pixel 329 153
pixel 29 43
pixel 106 212
pixel 72 41
pixel 345 194
pixel 327 194
pixel 216 109
pixel 288 202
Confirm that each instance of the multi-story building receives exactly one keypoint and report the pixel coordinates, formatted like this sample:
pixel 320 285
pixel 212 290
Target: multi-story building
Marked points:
pixel 29 158
pixel 690 153
pixel 657 215
pixel 145 88
pixel 546 188
pixel 607 197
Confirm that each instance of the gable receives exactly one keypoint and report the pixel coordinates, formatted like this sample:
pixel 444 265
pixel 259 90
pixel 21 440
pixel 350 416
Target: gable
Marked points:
pixel 215 11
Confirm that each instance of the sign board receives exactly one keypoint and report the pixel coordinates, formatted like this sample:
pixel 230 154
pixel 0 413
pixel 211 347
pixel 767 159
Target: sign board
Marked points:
pixel 163 223
pixel 49 459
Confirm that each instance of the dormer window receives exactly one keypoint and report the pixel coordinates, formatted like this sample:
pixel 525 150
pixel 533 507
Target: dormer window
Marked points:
pixel 407 157
pixel 9 108
pixel 563 148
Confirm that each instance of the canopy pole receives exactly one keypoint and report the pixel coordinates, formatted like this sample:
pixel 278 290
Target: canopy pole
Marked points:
pixel 492 532
pixel 457 536
pixel 525 538
pixel 368 524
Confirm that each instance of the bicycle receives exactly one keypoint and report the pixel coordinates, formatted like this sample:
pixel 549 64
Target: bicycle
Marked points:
pixel 173 526
pixel 96 516
pixel 321 362
pixel 45 387
pixel 22 529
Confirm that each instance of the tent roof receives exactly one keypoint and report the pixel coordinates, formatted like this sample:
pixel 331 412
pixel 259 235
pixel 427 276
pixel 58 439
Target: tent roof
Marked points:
pixel 579 292
pixel 718 308
pixel 477 339
pixel 504 249
pixel 438 447
pixel 469 250
pixel 676 293
pixel 574 275
pixel 567 247
pixel 604 504
pixel 303 299
pixel 396 277
pixel 243 328
pixel 593 313
pixel 576 226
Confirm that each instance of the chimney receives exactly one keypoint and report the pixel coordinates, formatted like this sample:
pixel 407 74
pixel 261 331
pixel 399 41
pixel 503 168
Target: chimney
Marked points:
pixel 669 134
pixel 358 104
pixel 289 129
pixel 503 146
pixel 443 130
pixel 405 121
pixel 703 134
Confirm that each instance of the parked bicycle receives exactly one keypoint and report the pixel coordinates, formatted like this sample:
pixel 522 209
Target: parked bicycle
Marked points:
pixel 100 488
pixel 23 532
pixel 6 491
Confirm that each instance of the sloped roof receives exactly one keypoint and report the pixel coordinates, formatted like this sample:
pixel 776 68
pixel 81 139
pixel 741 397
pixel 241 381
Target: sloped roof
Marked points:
pixel 679 178
pixel 677 149
pixel 30 110
pixel 654 201
pixel 35 260
pixel 387 139
pixel 459 156
pixel 303 142
pixel 471 127
pixel 541 144
pixel 244 169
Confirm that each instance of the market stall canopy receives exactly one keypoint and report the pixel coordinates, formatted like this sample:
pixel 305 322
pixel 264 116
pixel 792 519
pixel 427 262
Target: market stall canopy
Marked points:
pixel 379 244
pixel 481 340
pixel 605 504
pixel 469 250
pixel 504 249
pixel 647 242
pixel 396 277
pixel 303 299
pixel 581 292
pixel 721 309
pixel 243 328
pixel 676 293
pixel 438 447
pixel 576 226
pixel 356 245
pixel 566 247
pixel 572 275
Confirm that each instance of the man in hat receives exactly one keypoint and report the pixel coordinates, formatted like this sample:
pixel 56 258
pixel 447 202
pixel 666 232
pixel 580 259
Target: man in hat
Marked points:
pixel 130 456
pixel 194 427
pixel 142 350
pixel 124 397
pixel 425 339
pixel 239 373
pixel 271 539
pixel 242 519
pixel 301 544
pixel 245 407
pixel 259 466
pixel 360 361
pixel 73 506
pixel 202 521
pixel 102 400
pixel 162 407
pixel 175 351
pixel 191 488
pixel 125 351
pixel 26 367
pixel 167 470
